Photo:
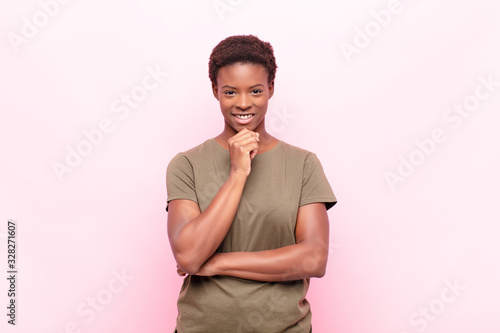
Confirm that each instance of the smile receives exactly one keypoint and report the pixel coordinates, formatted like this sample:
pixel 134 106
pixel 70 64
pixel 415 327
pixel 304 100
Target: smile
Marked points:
pixel 245 116
pixel 243 119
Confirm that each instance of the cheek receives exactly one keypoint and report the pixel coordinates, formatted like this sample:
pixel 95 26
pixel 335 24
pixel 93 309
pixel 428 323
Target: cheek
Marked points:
pixel 225 106
pixel 262 103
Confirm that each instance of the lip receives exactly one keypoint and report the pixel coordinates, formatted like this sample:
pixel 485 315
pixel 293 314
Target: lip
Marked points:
pixel 243 121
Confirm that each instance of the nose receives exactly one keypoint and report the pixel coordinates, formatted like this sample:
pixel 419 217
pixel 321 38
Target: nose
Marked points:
pixel 243 102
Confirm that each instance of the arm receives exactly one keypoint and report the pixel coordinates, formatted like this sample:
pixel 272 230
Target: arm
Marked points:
pixel 305 259
pixel 195 236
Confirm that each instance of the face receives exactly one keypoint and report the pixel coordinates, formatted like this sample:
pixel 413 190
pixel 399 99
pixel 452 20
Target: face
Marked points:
pixel 243 89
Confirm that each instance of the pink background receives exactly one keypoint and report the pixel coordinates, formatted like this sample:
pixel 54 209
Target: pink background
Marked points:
pixel 420 255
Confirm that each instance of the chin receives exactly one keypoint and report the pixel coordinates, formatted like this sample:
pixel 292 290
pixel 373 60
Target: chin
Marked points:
pixel 238 127
pixel 244 126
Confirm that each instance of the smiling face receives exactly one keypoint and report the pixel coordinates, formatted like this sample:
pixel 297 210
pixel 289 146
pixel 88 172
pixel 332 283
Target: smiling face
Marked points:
pixel 243 89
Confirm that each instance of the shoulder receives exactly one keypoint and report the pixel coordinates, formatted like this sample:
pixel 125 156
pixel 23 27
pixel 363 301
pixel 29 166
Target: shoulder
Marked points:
pixel 193 154
pixel 298 152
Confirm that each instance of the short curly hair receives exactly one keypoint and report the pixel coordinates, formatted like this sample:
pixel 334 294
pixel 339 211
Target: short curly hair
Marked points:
pixel 244 49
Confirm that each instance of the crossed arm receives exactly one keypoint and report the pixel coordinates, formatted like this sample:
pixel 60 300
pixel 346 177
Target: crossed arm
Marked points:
pixel 305 259
pixel 195 236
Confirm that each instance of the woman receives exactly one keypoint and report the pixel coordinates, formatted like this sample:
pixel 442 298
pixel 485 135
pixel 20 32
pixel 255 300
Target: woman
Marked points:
pixel 247 212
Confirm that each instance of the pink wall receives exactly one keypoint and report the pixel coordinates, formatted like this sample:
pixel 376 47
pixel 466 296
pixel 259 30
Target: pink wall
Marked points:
pixel 400 101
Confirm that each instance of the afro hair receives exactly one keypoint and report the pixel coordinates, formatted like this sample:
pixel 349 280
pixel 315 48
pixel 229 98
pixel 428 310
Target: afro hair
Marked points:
pixel 244 49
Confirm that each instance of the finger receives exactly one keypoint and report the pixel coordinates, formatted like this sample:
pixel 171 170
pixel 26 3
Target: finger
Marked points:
pixel 254 149
pixel 252 154
pixel 245 141
pixel 248 149
pixel 244 134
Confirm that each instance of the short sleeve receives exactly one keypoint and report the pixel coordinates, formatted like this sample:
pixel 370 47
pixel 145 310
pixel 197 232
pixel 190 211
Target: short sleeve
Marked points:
pixel 315 185
pixel 180 179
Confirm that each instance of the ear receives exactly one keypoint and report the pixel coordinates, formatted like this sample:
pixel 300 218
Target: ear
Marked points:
pixel 271 89
pixel 215 91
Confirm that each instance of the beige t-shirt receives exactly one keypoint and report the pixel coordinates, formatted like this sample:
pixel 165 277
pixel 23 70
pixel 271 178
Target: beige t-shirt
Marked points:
pixel 281 179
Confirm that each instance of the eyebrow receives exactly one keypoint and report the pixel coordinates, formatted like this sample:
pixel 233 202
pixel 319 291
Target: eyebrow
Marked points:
pixel 255 85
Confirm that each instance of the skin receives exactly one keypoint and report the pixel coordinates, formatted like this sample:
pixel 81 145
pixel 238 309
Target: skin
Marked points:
pixel 243 88
pixel 195 236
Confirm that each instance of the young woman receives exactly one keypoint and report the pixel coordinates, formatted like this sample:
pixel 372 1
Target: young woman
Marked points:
pixel 247 212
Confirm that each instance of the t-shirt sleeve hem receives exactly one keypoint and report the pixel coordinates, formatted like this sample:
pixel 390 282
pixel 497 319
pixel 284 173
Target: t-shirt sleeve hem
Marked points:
pixel 179 197
pixel 329 201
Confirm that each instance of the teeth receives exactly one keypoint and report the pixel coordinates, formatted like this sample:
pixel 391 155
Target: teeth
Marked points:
pixel 244 117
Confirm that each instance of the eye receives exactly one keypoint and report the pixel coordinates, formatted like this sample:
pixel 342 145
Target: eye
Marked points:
pixel 229 92
pixel 256 91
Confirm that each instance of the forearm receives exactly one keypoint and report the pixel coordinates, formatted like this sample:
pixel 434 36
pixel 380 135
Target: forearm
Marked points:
pixel 293 262
pixel 199 239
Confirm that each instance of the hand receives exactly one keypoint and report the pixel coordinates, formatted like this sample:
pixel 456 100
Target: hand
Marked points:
pixel 210 267
pixel 242 149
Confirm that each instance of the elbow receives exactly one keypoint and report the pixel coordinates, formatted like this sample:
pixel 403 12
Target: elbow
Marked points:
pixel 320 272
pixel 317 272
pixel 188 264
pixel 187 258
pixel 190 270
pixel 316 262
pixel 315 268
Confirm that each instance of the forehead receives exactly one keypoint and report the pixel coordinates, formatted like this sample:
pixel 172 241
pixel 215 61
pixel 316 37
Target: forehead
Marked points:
pixel 242 74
